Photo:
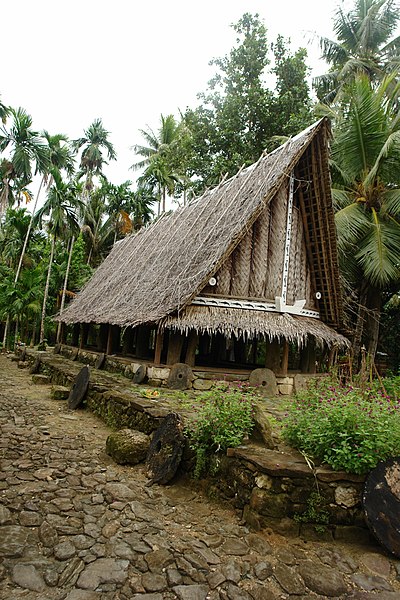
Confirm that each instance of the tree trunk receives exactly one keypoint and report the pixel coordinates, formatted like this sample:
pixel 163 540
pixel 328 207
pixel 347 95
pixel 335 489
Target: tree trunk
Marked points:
pixel 65 287
pixel 358 334
pixel 28 234
pixel 46 291
pixel 6 326
pixel 373 321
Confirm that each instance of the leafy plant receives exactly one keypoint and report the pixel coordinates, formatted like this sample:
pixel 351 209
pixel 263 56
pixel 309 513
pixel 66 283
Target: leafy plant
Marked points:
pixel 348 428
pixel 315 512
pixel 224 418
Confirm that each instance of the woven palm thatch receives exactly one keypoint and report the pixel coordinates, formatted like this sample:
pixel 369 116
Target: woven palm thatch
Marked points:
pixel 155 274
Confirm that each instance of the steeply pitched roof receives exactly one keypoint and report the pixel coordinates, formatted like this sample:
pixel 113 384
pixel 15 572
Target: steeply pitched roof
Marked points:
pixel 158 271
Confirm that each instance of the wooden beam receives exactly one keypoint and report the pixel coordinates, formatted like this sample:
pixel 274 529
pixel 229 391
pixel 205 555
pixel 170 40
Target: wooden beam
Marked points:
pixel 193 340
pixel 272 355
pixel 159 347
pixel 175 344
pixel 285 359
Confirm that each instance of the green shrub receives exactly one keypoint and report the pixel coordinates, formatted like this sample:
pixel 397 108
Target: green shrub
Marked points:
pixel 348 428
pixel 224 417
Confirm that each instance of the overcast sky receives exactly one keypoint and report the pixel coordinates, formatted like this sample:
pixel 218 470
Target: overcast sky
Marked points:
pixel 127 62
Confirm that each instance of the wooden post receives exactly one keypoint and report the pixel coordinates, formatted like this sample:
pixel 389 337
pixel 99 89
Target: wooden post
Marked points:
pixel 190 357
pixel 127 341
pixel 143 341
pixel 312 357
pixel 102 336
pixel 272 357
pixel 109 340
pixel 175 344
pixel 285 359
pixel 84 335
pixel 63 333
pixel 159 347
pixel 75 334
pixel 305 359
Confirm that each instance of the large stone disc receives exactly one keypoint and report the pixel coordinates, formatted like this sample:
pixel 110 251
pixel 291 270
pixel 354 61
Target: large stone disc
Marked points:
pixel 166 449
pixel 79 389
pixel 140 374
pixel 264 380
pixel 381 500
pixel 180 377
pixel 100 361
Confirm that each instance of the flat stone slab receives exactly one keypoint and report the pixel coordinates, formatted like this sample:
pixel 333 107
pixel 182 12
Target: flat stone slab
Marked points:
pixel 79 389
pixel 59 392
pixel 38 379
pixel 103 570
pixel 13 540
pixel 273 462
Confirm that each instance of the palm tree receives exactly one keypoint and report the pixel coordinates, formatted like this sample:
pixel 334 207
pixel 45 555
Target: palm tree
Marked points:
pixel 94 143
pixel 366 171
pixel 364 45
pixel 4 112
pixel 157 158
pixel 61 206
pixel 26 148
pixel 61 158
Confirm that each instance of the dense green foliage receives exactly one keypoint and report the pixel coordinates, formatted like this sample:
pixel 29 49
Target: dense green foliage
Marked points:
pixel 224 417
pixel 344 426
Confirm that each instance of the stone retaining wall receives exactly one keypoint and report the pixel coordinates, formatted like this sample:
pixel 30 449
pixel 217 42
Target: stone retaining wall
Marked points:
pixel 272 489
pixel 158 376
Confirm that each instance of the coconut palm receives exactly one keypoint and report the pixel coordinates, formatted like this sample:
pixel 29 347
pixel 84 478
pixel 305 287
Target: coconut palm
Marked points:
pixel 4 112
pixel 156 161
pixel 94 143
pixel 366 170
pixel 364 45
pixel 61 206
pixel 27 155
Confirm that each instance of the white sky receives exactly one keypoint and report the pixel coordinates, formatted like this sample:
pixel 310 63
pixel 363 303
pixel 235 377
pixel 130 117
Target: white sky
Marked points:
pixel 128 61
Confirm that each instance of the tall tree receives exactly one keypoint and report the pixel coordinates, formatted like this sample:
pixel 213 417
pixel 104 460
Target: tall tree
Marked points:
pixel 61 206
pixel 364 45
pixel 94 143
pixel 366 171
pixel 27 155
pixel 157 160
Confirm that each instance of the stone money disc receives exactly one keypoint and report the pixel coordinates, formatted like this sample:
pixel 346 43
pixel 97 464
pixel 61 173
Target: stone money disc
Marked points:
pixel 79 389
pixel 381 500
pixel 100 361
pixel 35 368
pixel 166 448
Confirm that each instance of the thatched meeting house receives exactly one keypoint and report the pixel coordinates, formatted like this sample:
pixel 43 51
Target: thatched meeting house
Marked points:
pixel 244 276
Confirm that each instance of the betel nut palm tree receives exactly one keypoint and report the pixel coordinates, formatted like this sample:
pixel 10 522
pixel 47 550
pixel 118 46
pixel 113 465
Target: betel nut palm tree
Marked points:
pixel 27 155
pixel 61 206
pixel 366 175
pixel 93 144
pixel 364 45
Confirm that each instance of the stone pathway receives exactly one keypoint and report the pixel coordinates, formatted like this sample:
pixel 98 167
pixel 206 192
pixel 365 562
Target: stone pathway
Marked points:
pixel 75 526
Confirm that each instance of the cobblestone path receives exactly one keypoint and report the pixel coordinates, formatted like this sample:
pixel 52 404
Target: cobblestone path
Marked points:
pixel 75 526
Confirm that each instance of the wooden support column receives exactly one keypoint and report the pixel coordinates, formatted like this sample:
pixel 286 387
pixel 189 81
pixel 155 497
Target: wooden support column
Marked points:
pixel 75 334
pixel 109 340
pixel 63 333
pixel 159 347
pixel 312 357
pixel 285 359
pixel 175 344
pixel 127 341
pixel 84 335
pixel 143 341
pixel 272 355
pixel 102 336
pixel 304 359
pixel 190 357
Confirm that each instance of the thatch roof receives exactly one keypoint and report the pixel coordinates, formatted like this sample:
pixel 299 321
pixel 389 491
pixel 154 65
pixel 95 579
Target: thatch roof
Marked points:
pixel 156 273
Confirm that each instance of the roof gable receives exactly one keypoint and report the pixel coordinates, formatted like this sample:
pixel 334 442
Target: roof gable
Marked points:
pixel 159 270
